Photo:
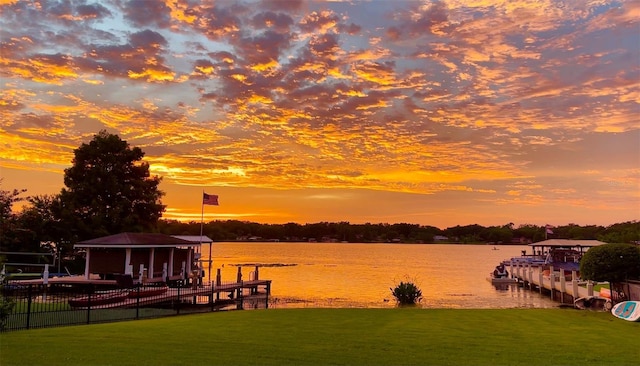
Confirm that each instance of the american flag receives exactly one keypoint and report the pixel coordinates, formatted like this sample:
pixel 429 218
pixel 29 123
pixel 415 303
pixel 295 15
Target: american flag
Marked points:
pixel 548 228
pixel 209 199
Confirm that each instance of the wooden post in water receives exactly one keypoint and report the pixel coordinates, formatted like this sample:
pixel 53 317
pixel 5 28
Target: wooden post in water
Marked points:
pixel 563 286
pixel 239 299
pixel 268 289
pixel 218 283
pixel 589 288
pixel 540 279
pixel 530 277
pixel 552 280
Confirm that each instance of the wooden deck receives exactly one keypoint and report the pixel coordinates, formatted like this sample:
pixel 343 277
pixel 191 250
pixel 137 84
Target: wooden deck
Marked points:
pixel 232 291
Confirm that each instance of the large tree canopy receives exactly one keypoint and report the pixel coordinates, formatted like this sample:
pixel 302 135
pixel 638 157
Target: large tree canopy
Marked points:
pixel 611 262
pixel 109 190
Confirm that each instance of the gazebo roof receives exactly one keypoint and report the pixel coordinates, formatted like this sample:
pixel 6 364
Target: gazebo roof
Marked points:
pixel 195 238
pixel 136 240
pixel 567 243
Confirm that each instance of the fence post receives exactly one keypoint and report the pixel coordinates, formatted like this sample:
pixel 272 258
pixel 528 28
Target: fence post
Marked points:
pixel 89 291
pixel 178 302
pixel 29 292
pixel 138 302
pixel 211 297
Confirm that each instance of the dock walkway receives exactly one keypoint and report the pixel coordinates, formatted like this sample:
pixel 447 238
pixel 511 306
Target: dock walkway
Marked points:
pixel 178 294
pixel 564 286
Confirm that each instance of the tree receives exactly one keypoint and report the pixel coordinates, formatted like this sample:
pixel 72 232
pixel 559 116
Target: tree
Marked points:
pixel 625 232
pixel 11 232
pixel 613 263
pixel 109 190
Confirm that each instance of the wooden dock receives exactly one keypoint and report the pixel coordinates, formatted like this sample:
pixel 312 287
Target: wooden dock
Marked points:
pixel 563 286
pixel 209 294
pixel 189 291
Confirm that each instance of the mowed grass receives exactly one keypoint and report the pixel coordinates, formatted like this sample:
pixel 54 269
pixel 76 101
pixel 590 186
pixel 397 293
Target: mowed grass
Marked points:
pixel 338 337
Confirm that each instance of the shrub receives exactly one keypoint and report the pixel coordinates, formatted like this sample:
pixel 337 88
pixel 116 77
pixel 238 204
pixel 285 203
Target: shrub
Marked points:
pixel 6 304
pixel 611 262
pixel 406 293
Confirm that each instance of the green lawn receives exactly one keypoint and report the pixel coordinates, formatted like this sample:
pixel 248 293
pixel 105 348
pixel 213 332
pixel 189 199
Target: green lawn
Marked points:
pixel 337 337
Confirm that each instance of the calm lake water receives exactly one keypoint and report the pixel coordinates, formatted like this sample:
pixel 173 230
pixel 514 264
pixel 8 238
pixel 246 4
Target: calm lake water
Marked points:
pixel 361 275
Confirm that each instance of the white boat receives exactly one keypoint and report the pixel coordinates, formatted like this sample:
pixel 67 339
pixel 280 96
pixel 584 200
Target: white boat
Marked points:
pixel 500 280
pixel 593 303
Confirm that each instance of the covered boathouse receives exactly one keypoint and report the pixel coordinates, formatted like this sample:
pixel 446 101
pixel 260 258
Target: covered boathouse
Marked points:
pixel 145 256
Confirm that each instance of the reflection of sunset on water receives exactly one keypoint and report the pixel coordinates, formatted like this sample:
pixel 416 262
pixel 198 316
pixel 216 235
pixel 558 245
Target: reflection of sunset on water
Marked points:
pixel 361 275
pixel 439 113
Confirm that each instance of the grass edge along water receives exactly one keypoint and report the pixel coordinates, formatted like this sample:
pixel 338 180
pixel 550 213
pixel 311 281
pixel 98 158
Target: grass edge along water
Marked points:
pixel 402 336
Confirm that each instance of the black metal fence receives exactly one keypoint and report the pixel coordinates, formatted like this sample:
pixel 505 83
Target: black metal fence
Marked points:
pixel 50 305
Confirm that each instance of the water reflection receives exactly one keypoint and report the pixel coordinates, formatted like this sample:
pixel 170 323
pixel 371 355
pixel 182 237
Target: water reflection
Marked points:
pixel 360 275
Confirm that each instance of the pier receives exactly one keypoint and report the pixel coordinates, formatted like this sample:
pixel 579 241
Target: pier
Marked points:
pixel 553 267
pixel 238 294
pixel 563 286
pixel 217 294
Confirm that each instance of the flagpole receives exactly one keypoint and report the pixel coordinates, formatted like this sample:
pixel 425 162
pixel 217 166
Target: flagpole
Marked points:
pixel 210 200
pixel 201 215
pixel 201 227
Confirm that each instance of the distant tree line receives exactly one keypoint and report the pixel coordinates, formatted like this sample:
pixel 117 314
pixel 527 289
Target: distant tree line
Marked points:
pixel 234 230
pixel 109 190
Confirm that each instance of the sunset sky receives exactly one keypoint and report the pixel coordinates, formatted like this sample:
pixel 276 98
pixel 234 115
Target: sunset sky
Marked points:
pixel 439 113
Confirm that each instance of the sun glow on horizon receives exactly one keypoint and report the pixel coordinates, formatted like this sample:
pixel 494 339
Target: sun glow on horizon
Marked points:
pixel 447 105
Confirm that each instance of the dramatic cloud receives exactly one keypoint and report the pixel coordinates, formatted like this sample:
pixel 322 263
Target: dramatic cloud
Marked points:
pixel 525 109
